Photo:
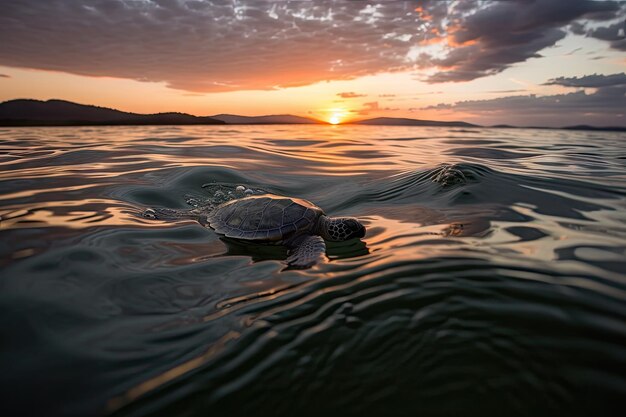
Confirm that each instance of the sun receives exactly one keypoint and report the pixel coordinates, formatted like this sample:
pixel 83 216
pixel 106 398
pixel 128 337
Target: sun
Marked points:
pixel 336 115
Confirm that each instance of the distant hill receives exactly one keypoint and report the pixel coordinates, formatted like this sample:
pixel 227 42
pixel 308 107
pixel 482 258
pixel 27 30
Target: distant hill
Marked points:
pixel 397 121
pixel 233 119
pixel 26 112
pixel 600 128
pixel 576 127
pixel 64 113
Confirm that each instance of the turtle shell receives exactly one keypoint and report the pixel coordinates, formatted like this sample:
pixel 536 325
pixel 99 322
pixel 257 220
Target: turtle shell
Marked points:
pixel 265 218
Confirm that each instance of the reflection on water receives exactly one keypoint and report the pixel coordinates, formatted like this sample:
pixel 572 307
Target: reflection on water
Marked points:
pixel 490 281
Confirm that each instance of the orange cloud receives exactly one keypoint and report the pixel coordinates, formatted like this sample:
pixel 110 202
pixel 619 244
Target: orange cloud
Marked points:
pixel 350 94
pixel 205 46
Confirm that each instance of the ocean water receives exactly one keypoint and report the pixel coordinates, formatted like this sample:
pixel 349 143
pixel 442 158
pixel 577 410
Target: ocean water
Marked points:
pixel 491 280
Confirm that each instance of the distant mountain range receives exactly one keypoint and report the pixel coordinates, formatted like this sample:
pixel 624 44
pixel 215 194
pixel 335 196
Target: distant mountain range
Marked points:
pixel 397 121
pixel 65 113
pixel 26 112
pixel 233 119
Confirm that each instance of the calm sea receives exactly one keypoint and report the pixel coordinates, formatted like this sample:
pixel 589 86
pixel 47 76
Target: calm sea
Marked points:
pixel 491 280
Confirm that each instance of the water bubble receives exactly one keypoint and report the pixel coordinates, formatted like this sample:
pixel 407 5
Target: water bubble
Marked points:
pixel 149 214
pixel 194 201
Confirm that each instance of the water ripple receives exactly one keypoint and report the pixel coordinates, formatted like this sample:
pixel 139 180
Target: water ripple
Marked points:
pixel 491 276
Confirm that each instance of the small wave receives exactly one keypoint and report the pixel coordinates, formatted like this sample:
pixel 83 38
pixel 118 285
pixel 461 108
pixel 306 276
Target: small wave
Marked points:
pixel 421 186
pixel 489 279
pixel 416 326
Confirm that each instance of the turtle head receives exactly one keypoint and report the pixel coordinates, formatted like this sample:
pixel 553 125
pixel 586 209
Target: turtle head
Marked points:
pixel 338 229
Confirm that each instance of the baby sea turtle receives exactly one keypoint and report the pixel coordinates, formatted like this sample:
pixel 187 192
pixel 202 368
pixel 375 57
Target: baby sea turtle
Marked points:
pixel 271 219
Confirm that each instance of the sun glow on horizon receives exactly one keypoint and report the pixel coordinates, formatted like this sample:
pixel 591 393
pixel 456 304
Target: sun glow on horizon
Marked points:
pixel 334 119
pixel 336 116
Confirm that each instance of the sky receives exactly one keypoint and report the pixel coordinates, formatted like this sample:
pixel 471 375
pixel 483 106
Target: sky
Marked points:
pixel 522 62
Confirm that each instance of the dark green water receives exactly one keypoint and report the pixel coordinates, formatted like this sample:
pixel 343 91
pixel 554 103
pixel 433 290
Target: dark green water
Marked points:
pixel 491 280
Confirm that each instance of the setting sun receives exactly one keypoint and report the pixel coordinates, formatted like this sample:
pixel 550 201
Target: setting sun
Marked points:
pixel 335 119
pixel 336 115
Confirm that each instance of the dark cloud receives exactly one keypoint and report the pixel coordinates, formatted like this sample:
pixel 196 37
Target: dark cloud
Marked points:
pixel 579 101
pixel 467 63
pixel 490 39
pixel 5 76
pixel 203 45
pixel 219 45
pixel 578 28
pixel 615 34
pixel 350 94
pixel 605 106
pixel 590 81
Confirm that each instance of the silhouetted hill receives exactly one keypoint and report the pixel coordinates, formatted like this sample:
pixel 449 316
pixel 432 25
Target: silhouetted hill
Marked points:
pixel 233 119
pixel 64 113
pixel 600 128
pixel 27 112
pixel 576 127
pixel 398 121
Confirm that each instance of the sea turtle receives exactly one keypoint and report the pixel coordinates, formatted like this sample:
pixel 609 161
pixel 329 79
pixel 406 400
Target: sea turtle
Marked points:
pixel 295 223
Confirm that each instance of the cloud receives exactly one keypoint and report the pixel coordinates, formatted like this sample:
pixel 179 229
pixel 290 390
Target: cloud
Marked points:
pixel 5 76
pixel 207 46
pixel 605 106
pixel 490 39
pixel 219 45
pixel 350 94
pixel 505 91
pixel 374 107
pixel 590 81
pixel 482 59
pixel 580 101
pixel 577 28
pixel 573 51
pixel 369 107
pixel 613 33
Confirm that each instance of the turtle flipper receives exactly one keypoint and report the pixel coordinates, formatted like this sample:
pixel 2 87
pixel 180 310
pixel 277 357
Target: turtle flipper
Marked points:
pixel 306 251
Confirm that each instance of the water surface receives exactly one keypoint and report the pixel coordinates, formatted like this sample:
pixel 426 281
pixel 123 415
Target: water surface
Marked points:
pixel 491 281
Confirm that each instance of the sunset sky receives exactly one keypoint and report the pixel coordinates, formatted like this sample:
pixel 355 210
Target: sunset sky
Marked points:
pixel 525 62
